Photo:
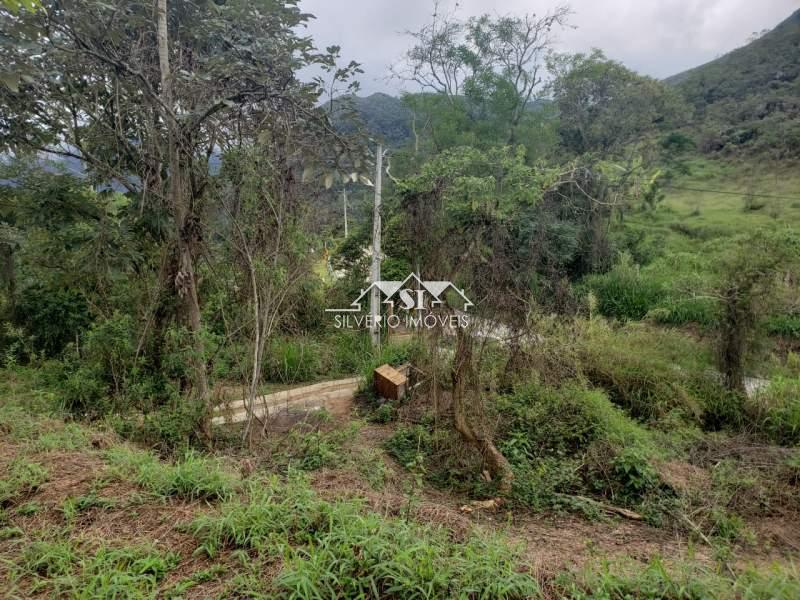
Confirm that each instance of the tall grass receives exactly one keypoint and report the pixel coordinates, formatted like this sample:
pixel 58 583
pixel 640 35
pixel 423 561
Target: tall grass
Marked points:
pixel 339 550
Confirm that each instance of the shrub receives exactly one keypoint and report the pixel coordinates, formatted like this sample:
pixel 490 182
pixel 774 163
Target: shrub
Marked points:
pixel 774 412
pixel 568 440
pixel 172 428
pixel 437 454
pixel 624 293
pixel 51 317
pixel 384 413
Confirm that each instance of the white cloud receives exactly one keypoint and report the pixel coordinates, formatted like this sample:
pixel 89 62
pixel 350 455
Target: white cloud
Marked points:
pixel 654 37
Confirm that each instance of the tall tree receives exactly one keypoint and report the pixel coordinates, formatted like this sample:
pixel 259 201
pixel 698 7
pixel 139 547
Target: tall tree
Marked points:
pixel 604 106
pixel 144 98
pixel 488 67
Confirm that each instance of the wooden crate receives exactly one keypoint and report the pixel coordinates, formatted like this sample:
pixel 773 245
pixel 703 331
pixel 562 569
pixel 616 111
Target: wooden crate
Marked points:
pixel 390 383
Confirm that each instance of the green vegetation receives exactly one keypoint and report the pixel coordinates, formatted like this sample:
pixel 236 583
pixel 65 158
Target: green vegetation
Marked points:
pixel 682 582
pixel 609 385
pixel 193 477
pixel 394 559
pixel 21 478
pixel 64 570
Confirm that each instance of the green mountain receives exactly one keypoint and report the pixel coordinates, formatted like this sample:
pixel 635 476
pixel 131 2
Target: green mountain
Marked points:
pixel 384 117
pixel 749 99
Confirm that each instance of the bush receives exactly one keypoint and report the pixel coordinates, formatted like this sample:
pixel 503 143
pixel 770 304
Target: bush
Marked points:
pixel 623 293
pixel 52 317
pixel 439 455
pixel 774 413
pixel 172 428
pixel 569 440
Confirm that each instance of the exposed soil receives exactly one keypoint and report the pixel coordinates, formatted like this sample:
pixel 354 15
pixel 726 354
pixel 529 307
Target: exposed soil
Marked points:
pixel 550 542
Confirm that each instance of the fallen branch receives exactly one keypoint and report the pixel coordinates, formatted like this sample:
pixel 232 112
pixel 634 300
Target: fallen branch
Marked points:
pixel 608 508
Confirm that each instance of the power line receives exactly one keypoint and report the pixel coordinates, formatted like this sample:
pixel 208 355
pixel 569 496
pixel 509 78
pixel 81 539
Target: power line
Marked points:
pixel 740 194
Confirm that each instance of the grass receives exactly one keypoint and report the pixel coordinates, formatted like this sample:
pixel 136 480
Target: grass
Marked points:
pixel 22 477
pixel 75 505
pixel 70 436
pixel 680 244
pixel 626 579
pixel 192 478
pixel 721 215
pixel 336 549
pixel 775 411
pixel 65 570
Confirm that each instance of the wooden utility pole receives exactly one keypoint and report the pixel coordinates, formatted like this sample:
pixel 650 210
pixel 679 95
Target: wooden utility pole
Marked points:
pixel 375 271
pixel 344 200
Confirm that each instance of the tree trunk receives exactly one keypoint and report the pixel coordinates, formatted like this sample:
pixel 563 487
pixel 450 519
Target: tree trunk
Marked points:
pixel 185 223
pixel 733 340
pixel 8 273
pixel 461 376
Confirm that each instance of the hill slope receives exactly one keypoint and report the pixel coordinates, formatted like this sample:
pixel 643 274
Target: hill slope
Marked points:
pixel 749 99
pixel 385 117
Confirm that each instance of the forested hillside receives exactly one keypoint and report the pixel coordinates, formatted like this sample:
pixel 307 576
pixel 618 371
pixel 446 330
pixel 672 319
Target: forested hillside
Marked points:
pixel 749 99
pixel 531 330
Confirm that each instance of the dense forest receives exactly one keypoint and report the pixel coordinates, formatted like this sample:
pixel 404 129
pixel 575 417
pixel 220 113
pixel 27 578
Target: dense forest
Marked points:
pixel 604 404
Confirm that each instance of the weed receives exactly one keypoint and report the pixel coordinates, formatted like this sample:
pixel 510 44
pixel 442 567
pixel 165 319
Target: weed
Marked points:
pixel 180 588
pixel 109 572
pixel 774 413
pixel 22 478
pixel 385 413
pixel 684 581
pixel 29 509
pixel 9 533
pixel 73 506
pixel 69 437
pixel 337 549
pixel 191 478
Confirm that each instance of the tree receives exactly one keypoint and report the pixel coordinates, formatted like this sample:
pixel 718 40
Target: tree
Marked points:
pixel 464 211
pixel 146 99
pixel 750 280
pixel 604 106
pixel 488 68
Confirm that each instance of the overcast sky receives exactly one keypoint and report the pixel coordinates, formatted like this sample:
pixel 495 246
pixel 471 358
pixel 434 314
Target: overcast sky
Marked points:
pixel 654 37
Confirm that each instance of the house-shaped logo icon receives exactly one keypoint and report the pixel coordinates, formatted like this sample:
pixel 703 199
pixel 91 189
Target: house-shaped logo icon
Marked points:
pixel 412 293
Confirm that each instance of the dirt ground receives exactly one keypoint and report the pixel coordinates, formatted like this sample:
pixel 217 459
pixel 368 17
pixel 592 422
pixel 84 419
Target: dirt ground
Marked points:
pixel 550 542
